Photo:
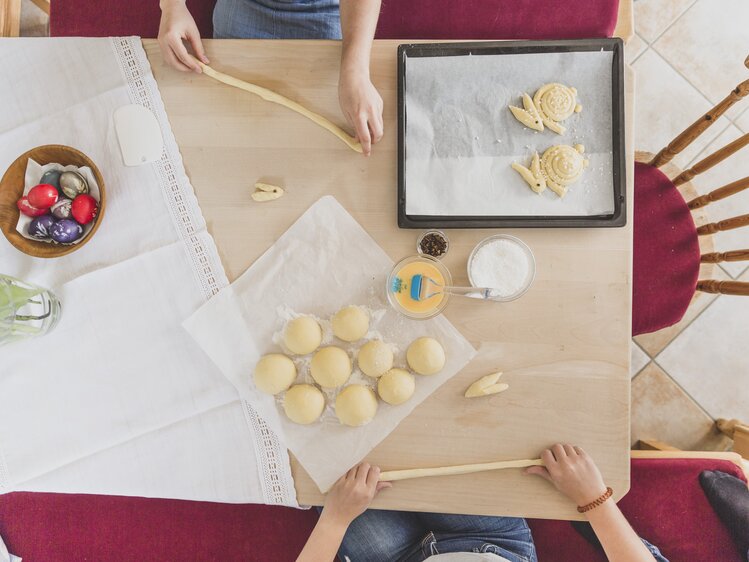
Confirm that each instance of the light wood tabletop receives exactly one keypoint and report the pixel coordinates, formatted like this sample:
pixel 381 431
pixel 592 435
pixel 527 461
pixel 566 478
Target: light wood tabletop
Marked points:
pixel 564 346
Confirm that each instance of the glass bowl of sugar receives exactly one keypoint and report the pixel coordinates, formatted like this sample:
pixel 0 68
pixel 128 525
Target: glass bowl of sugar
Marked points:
pixel 503 263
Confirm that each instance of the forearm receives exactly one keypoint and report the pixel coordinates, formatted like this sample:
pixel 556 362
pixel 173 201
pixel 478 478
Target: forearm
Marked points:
pixel 169 3
pixel 323 543
pixel 619 540
pixel 358 23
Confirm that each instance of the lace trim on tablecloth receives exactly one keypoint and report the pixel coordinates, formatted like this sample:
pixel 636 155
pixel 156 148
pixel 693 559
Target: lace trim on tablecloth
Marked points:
pixel 272 458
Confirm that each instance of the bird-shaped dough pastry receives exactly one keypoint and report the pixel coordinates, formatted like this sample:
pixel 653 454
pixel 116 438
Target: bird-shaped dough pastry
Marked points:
pixel 560 166
pixel 551 104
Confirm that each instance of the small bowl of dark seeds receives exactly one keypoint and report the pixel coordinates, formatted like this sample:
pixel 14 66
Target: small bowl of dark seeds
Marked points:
pixel 433 243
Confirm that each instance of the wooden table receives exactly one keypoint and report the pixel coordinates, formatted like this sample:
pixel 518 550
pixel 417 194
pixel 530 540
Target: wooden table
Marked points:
pixel 578 308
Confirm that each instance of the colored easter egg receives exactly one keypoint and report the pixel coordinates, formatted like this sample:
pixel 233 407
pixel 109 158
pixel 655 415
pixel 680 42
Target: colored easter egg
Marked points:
pixel 42 196
pixel 84 208
pixel 61 209
pixel 28 209
pixel 66 231
pixel 41 227
pixel 73 184
pixel 52 177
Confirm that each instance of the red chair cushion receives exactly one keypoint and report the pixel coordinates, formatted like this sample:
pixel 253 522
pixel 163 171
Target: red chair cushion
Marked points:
pixel 49 527
pixel 105 18
pixel 666 506
pixel 666 261
pixel 497 19
pixel 399 19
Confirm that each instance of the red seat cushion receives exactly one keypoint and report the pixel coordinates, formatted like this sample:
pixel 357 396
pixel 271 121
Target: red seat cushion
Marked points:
pixel 497 19
pixel 399 19
pixel 51 527
pixel 104 18
pixel 666 261
pixel 666 506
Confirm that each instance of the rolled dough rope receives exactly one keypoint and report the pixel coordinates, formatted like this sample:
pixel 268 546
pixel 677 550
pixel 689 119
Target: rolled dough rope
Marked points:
pixel 271 96
pixel 391 475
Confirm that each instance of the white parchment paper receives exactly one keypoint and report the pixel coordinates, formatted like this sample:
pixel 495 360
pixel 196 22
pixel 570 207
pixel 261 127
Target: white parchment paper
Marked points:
pixel 461 137
pixel 323 262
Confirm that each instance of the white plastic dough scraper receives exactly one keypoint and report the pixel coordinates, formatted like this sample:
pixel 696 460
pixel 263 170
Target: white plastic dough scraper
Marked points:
pixel 139 135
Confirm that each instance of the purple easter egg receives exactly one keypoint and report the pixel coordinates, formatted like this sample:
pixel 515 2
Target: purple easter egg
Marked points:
pixel 41 227
pixel 66 231
pixel 61 209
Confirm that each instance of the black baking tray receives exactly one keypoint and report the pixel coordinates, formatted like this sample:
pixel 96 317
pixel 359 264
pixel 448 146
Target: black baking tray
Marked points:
pixel 616 219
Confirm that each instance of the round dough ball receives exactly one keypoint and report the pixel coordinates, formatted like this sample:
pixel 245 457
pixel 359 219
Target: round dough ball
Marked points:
pixel 330 367
pixel 396 386
pixel 303 403
pixel 375 358
pixel 274 373
pixel 351 323
pixel 356 405
pixel 302 335
pixel 426 356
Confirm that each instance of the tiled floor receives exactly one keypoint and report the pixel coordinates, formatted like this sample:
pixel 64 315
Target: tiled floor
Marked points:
pixel 687 55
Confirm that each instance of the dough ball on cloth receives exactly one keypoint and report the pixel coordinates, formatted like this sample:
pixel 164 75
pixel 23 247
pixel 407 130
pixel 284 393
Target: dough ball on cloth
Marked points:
pixel 426 356
pixel 330 367
pixel 396 386
pixel 303 403
pixel 302 335
pixel 351 323
pixel 274 373
pixel 356 405
pixel 375 358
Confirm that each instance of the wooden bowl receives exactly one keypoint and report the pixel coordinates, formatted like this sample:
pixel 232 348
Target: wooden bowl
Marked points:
pixel 11 190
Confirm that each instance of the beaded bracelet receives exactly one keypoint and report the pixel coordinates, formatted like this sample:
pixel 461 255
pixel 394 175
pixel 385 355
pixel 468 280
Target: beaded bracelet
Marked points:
pixel 595 503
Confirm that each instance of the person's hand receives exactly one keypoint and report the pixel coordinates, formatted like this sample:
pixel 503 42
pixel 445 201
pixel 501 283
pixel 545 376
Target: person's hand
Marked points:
pixel 572 472
pixel 352 494
pixel 177 25
pixel 362 105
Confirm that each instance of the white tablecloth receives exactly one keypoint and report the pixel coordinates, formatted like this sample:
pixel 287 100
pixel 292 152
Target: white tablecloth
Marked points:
pixel 118 399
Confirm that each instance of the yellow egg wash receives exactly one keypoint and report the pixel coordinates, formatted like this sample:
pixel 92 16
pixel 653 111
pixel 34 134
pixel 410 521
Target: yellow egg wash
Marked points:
pixel 403 297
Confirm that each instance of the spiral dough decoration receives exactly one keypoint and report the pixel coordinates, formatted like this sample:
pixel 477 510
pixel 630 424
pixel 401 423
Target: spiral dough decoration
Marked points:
pixel 562 164
pixel 555 102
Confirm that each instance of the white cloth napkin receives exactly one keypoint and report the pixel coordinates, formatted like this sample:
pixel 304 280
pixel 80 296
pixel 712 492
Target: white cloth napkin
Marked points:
pixel 118 399
pixel 326 260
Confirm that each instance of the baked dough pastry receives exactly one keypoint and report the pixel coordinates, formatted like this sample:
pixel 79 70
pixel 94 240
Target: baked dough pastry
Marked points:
pixel 551 104
pixel 375 358
pixel 330 367
pixel 303 403
pixel 274 373
pixel 396 386
pixel 302 335
pixel 426 356
pixel 356 405
pixel 560 166
pixel 351 323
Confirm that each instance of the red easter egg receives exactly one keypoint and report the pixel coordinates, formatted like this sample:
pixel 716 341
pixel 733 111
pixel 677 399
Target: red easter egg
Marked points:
pixel 43 196
pixel 84 208
pixel 28 209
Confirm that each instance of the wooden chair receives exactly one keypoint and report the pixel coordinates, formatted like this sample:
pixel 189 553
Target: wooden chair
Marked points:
pixel 10 18
pixel 668 246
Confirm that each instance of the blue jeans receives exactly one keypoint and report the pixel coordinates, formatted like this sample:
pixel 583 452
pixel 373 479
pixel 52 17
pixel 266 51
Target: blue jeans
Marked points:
pixel 378 536
pixel 276 19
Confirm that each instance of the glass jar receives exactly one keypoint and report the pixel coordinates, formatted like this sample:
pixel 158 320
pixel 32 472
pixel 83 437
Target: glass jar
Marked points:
pixel 26 310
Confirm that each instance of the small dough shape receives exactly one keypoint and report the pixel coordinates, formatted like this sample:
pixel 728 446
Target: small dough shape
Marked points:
pixel 330 367
pixel 356 405
pixel 560 166
pixel 375 358
pixel 486 385
pixel 302 335
pixel 426 356
pixel 351 323
pixel 551 104
pixel 303 403
pixel 396 386
pixel 274 373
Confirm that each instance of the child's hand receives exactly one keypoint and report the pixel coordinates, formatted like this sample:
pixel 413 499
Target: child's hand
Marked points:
pixel 362 105
pixel 352 494
pixel 177 25
pixel 572 472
